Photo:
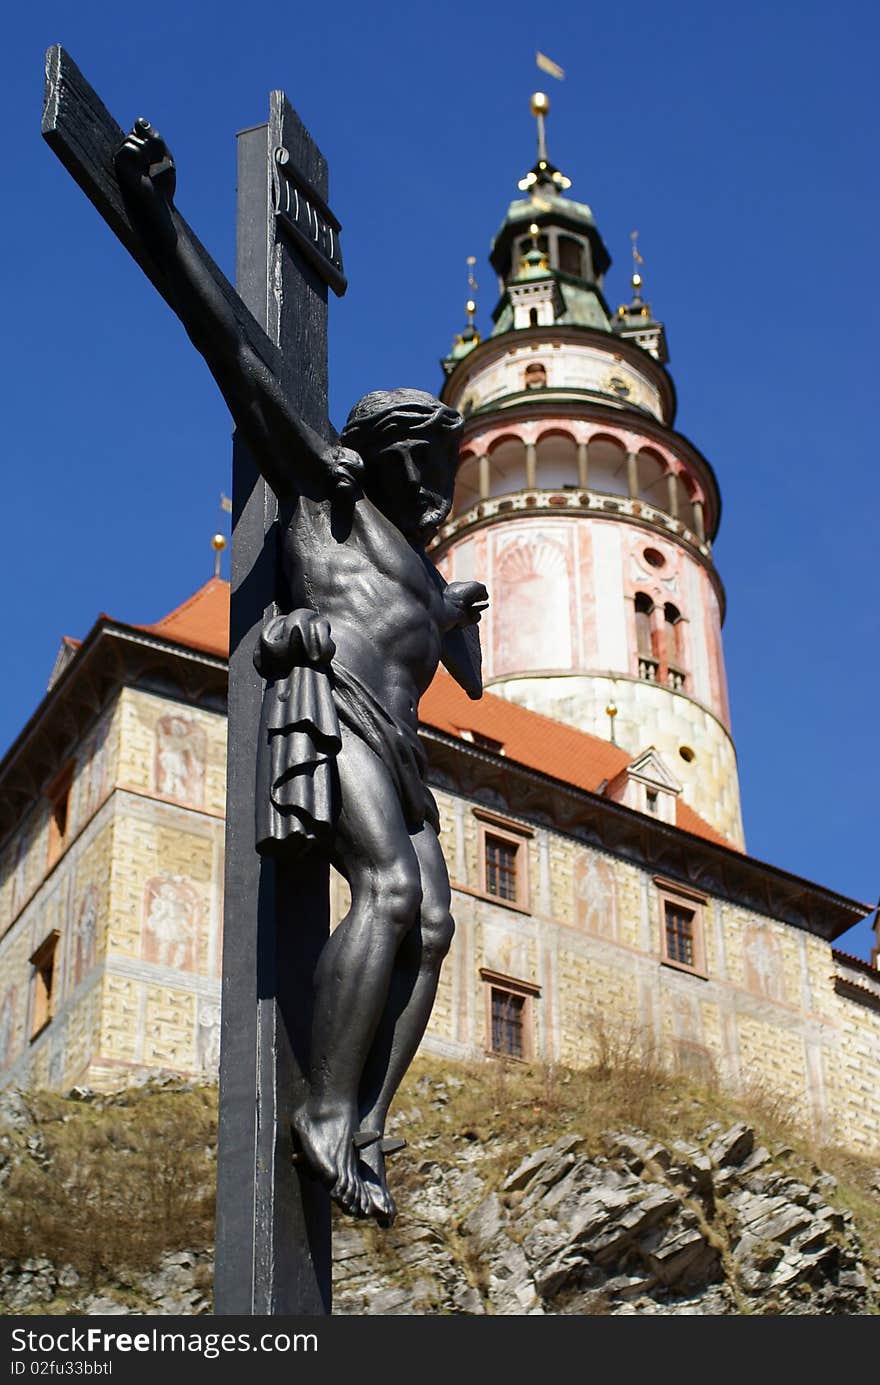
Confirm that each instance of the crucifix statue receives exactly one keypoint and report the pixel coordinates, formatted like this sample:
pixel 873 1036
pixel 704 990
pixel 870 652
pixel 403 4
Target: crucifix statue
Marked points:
pixel 339 619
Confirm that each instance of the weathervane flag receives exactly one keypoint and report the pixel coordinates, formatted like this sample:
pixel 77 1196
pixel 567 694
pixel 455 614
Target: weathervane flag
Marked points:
pixel 548 65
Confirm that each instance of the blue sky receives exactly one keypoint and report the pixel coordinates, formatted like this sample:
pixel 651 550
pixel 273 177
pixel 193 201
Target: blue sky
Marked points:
pixel 740 141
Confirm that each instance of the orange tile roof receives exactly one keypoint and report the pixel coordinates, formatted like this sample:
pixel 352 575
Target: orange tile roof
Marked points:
pixel 202 622
pixel 575 757
pixel 689 821
pixel 528 737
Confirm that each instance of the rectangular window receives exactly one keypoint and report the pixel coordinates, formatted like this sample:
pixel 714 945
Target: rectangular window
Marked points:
pixel 508 1013
pixel 58 794
pixel 503 860
pixel 43 983
pixel 682 943
pixel 501 867
pixel 679 933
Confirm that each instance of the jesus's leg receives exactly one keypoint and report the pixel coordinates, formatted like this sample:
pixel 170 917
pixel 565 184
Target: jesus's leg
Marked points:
pixel 410 999
pixel 375 853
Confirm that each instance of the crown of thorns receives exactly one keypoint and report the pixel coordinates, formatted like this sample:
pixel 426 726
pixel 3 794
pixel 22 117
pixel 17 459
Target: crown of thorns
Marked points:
pixel 384 417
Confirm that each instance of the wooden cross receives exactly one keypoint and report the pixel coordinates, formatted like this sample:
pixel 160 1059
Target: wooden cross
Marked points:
pixel 273 1219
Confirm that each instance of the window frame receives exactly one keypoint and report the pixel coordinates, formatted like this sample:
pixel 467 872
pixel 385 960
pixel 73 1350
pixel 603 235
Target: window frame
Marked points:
pixel 679 896
pixel 528 992
pixel 490 825
pixel 42 995
pixel 58 795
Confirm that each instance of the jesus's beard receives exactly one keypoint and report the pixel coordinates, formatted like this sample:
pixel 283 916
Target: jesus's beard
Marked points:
pixel 434 509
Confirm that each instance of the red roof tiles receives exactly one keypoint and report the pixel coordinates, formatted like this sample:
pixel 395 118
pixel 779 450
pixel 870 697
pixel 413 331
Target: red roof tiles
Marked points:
pixel 539 742
pixel 202 622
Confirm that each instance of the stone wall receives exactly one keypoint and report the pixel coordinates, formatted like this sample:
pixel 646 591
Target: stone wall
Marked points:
pixel 136 899
pixel 763 1014
pixel 135 896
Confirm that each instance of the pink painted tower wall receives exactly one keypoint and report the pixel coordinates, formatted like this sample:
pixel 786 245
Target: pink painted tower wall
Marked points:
pixel 589 518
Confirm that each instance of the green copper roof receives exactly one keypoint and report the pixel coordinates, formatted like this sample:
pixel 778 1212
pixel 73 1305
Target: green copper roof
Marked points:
pixel 526 209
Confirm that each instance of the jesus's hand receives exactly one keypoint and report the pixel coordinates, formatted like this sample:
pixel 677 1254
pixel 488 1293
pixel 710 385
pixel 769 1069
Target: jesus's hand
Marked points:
pixel 465 602
pixel 347 469
pixel 144 163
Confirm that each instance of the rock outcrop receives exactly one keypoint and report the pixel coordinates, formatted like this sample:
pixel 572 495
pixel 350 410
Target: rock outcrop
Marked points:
pixel 717 1227
pixel 622 1223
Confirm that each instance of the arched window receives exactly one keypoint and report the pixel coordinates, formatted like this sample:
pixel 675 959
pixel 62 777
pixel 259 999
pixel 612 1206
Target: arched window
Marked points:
pixel 536 374
pixel 533 317
pixel 557 461
pixel 644 607
pixel 467 485
pixel 652 479
pixel 607 466
pixel 671 651
pixel 507 466
pixel 649 664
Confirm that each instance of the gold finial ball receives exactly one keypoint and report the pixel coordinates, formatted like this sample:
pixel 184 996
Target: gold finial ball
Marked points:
pixel 218 543
pixel 540 103
pixel 470 306
pixel 637 281
pixel 611 710
pixel 534 228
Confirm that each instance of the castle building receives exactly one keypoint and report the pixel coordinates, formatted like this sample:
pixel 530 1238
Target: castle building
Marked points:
pixel 589 802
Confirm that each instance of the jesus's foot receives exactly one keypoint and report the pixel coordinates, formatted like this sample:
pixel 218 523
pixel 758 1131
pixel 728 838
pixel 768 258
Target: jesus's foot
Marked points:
pixel 325 1138
pixel 382 1205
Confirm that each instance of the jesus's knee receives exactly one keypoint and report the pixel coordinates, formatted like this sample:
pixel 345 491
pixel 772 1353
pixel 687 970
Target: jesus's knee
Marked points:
pixel 437 929
pixel 398 896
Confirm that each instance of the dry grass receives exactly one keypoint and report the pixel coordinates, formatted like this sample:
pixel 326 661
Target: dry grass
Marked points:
pixel 111 1184
pixel 511 1108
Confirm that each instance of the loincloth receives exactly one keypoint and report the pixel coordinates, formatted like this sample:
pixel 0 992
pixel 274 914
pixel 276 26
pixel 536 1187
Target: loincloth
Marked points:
pixel 298 792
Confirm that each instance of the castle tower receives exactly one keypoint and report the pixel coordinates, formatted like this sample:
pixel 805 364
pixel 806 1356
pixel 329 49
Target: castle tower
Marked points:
pixel 588 516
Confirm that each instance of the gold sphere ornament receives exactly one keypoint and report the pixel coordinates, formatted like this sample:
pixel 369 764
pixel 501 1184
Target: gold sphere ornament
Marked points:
pixel 540 103
pixel 470 306
pixel 218 543
pixel 611 710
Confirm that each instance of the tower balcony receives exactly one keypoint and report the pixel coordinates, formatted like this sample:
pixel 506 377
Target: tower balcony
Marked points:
pixel 568 500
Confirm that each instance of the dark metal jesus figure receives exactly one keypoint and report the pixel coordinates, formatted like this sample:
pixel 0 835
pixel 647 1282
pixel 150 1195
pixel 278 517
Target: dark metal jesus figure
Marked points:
pixel 365 620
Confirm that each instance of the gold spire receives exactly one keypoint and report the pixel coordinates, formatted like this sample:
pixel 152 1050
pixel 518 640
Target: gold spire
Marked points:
pixel 637 260
pixel 637 306
pixel 218 543
pixel 544 172
pixel 540 106
pixel 470 336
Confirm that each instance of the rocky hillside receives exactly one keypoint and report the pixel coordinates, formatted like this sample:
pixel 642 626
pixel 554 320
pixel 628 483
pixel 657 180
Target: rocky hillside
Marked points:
pixel 522 1191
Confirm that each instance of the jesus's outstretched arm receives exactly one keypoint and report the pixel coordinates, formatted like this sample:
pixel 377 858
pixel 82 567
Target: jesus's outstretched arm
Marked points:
pixel 290 454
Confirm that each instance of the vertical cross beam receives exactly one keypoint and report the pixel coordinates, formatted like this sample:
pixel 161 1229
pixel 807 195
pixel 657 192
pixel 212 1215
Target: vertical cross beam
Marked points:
pixel 273 1221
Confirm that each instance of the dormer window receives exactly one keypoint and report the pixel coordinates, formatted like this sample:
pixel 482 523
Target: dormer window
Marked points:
pixel 648 786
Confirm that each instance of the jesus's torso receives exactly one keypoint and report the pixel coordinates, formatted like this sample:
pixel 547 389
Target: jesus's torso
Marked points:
pixel 382 597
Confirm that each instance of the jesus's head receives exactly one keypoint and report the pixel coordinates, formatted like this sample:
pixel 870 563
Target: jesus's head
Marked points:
pixel 409 443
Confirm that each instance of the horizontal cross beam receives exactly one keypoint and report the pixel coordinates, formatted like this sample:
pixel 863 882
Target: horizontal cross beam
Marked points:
pixel 78 127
